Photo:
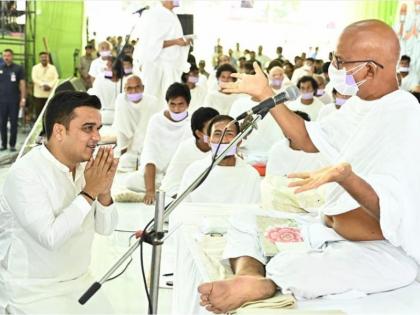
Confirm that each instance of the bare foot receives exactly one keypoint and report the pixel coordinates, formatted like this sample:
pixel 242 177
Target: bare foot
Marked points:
pixel 226 295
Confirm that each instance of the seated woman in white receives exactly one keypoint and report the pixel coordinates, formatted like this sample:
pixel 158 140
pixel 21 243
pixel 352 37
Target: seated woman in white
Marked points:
pixel 222 101
pixel 232 181
pixel 339 100
pixel 307 102
pixel 106 88
pixel 165 132
pixel 198 92
pixel 190 150
pixel 133 110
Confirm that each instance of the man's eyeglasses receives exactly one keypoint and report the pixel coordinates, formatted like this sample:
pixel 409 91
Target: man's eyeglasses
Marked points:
pixel 338 62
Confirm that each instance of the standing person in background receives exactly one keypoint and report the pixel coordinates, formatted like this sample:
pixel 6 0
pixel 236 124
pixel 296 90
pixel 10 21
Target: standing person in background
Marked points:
pixel 12 97
pixel 44 77
pixel 162 52
pixel 99 65
pixel 84 66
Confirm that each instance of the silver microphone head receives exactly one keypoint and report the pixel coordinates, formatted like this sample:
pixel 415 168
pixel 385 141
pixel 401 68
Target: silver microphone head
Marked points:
pixel 292 92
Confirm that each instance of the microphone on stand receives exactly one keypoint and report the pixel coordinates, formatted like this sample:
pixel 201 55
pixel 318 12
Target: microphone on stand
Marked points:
pixel 290 94
pixel 140 11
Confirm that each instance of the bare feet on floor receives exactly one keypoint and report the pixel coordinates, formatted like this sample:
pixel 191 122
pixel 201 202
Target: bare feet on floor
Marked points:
pixel 226 295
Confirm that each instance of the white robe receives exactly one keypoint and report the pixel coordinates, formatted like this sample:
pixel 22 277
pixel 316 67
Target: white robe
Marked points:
pixel 130 123
pixel 299 73
pixel 198 95
pixel 163 137
pixel 186 153
pixel 259 142
pixel 97 67
pixel 312 110
pixel 327 110
pixel 160 66
pixel 106 90
pixel 46 234
pixel 325 98
pixel 378 138
pixel 225 184
pixel 220 101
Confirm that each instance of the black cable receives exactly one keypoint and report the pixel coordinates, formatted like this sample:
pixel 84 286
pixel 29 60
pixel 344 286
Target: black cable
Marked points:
pixel 131 259
pixel 144 278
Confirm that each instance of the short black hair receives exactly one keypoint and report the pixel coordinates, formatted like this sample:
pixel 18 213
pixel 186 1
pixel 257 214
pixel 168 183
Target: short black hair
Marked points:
pixel 43 53
pixel 60 109
pixel 178 89
pixel 127 58
pixel 89 46
pixel 304 115
pixel 310 59
pixel 225 67
pixel 220 118
pixel 275 63
pixel 249 66
pixel 9 51
pixel 308 78
pixel 325 67
pixel 200 117
pixel 405 58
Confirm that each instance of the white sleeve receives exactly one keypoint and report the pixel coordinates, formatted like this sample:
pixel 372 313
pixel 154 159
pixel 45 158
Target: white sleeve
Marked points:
pixel 29 202
pixel 106 218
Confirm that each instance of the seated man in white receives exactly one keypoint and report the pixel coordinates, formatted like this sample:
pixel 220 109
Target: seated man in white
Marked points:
pixel 99 65
pixel 278 80
pixel 198 92
pixel 220 101
pixel 339 101
pixel 166 130
pixel 307 102
pixel 52 205
pixel 321 94
pixel 133 110
pixel 371 213
pixel 233 180
pixel 106 87
pixel 190 150
pixel 306 70
pixel 257 145
pixel 409 78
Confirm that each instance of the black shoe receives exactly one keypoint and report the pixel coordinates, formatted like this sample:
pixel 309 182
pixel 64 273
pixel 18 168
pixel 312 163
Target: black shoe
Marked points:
pixel 3 148
pixel 12 149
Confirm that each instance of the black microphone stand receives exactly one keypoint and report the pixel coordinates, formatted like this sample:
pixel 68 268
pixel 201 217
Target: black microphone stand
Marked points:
pixel 154 234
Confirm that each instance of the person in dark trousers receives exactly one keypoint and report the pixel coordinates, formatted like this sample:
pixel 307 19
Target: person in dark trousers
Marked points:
pixel 12 97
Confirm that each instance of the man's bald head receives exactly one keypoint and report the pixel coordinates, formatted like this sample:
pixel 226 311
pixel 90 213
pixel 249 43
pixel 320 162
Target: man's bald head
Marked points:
pixel 376 42
pixel 133 79
pixel 133 85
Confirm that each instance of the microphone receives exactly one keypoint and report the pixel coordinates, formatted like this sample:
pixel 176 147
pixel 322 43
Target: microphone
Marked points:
pixel 140 11
pixel 290 94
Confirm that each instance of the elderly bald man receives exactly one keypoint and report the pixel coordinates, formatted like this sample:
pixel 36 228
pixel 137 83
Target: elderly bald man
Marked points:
pixel 133 110
pixel 278 79
pixel 372 201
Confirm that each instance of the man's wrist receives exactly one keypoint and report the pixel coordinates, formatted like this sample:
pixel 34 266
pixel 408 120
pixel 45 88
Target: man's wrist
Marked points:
pixel 265 94
pixel 105 199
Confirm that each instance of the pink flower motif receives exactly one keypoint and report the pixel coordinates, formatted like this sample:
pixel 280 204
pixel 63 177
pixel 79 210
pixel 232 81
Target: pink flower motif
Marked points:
pixel 283 234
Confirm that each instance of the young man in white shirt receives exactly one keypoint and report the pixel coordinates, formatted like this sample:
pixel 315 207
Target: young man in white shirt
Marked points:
pixel 52 205
pixel 133 110
pixel 198 92
pixel 164 133
pixel 232 180
pixel 190 150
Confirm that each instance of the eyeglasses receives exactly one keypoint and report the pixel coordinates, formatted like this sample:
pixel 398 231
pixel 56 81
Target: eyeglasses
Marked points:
pixel 339 63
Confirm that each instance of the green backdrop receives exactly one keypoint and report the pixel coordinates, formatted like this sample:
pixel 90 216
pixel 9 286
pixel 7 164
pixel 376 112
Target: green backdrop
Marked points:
pixel 384 10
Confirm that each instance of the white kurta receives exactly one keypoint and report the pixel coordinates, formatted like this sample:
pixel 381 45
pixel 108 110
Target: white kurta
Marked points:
pixel 186 153
pixel 283 160
pixel 327 110
pixel 378 138
pixel 259 142
pixel 225 184
pixel 97 67
pixel 220 101
pixel 163 137
pixel 160 66
pixel 130 123
pixel 198 95
pixel 46 234
pixel 312 110
pixel 106 90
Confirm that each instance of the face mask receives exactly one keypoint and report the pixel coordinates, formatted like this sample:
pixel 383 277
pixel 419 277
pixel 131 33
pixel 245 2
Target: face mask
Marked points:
pixel 178 116
pixel 403 69
pixel 319 92
pixel 128 71
pixel 105 53
pixel 307 96
pixel 206 139
pixel 135 97
pixel 192 79
pixel 344 83
pixel 108 74
pixel 276 82
pixel 223 146
pixel 340 101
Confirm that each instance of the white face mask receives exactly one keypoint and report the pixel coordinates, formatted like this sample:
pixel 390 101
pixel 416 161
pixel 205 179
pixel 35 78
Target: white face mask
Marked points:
pixel 344 83
pixel 403 69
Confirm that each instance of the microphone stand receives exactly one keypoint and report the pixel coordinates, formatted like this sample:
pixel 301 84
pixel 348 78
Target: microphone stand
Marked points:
pixel 154 235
